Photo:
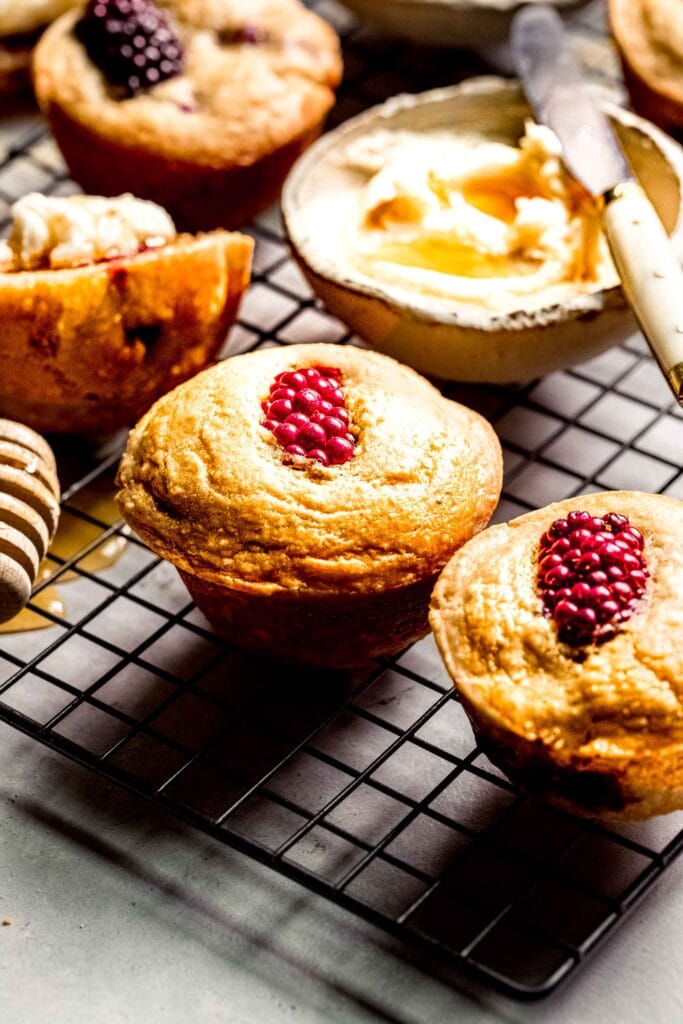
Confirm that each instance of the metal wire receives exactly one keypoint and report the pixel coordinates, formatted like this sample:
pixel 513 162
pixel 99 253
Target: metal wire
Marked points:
pixel 365 787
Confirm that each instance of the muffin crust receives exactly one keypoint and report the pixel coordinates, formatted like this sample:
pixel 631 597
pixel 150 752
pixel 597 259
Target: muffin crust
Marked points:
pixel 207 486
pixel 18 18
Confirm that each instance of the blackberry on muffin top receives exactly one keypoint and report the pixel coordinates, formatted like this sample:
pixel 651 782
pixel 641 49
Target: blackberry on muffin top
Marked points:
pixel 200 105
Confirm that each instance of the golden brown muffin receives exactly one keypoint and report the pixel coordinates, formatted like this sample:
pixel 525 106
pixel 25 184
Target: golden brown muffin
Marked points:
pixel 574 683
pixel 88 348
pixel 215 143
pixel 313 563
pixel 21 25
pixel 649 37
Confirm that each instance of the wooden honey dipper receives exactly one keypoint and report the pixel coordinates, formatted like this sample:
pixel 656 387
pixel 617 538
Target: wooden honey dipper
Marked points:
pixel 29 512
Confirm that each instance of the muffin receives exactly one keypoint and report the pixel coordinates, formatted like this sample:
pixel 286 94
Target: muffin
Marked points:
pixel 206 117
pixel 309 496
pixel 21 25
pixel 563 631
pixel 649 37
pixel 104 307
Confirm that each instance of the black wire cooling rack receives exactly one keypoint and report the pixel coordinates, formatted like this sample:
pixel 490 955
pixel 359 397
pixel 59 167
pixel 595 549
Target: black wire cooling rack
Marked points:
pixel 364 787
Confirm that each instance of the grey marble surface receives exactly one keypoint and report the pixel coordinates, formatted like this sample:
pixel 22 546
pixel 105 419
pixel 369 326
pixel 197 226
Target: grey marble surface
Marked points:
pixel 120 914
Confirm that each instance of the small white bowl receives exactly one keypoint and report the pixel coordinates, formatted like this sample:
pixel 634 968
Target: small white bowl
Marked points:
pixel 464 342
pixel 448 22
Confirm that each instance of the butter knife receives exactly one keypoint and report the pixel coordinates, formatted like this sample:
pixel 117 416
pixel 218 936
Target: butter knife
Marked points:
pixel 651 276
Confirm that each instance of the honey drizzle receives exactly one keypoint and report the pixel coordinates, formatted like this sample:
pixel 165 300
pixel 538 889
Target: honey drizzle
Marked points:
pixel 73 534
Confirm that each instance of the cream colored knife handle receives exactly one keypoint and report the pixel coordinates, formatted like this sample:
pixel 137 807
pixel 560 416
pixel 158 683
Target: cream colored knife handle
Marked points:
pixel 650 273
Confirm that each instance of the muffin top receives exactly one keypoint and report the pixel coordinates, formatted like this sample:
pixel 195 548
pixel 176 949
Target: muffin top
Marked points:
pixel 607 683
pixel 24 16
pixel 208 484
pixel 256 75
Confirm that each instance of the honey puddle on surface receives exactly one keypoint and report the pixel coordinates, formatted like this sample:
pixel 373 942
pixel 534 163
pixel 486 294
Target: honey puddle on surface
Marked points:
pixel 73 534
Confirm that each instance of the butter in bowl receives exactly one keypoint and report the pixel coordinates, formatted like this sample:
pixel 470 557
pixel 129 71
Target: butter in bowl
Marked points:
pixel 445 230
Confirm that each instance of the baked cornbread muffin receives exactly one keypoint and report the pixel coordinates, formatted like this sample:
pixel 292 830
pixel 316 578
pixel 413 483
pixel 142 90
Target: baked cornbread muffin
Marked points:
pixel 104 307
pixel 563 633
pixel 649 37
pixel 310 496
pixel 21 24
pixel 205 116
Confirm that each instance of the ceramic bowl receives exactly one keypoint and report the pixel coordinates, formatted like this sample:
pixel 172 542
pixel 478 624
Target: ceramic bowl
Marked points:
pixel 464 342
pixel 447 22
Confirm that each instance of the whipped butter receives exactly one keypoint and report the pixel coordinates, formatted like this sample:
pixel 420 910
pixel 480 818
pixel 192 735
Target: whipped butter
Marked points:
pixel 51 232
pixel 20 16
pixel 470 220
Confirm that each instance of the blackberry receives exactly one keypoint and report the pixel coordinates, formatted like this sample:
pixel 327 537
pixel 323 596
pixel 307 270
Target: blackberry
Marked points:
pixel 131 42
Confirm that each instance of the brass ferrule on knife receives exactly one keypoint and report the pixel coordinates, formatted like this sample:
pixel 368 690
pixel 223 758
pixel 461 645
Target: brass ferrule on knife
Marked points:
pixel 675 378
pixel 615 192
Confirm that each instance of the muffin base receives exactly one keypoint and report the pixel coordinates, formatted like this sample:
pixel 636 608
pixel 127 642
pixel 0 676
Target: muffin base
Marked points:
pixel 319 631
pixel 197 197
pixel 602 789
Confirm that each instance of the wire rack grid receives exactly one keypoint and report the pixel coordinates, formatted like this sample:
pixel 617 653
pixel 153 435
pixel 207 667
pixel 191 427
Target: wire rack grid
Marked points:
pixel 366 787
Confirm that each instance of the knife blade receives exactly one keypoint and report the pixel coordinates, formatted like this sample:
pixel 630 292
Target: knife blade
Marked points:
pixel 561 100
pixel 651 276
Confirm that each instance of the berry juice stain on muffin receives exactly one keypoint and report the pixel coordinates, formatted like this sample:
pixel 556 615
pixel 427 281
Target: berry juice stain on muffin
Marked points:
pixel 306 411
pixel 131 42
pixel 592 574
pixel 247 34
